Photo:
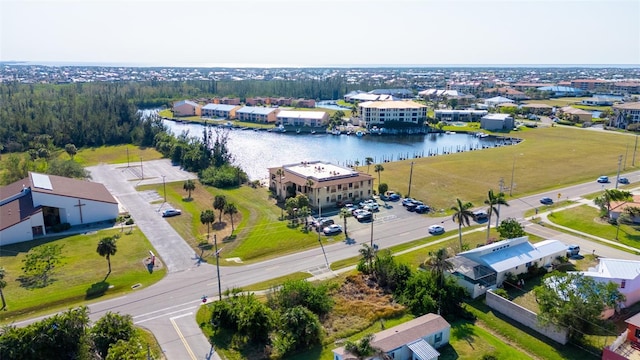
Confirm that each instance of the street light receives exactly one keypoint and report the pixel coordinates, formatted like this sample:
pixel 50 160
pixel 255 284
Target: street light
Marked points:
pixel 164 187
pixel 215 243
pixel 513 172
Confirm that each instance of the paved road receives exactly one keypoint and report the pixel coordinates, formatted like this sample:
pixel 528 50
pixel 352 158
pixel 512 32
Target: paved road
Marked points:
pixel 168 307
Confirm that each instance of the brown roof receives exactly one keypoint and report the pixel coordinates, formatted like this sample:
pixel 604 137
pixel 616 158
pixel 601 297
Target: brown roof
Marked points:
pixel 537 106
pixel 62 186
pixel 628 106
pixel 16 210
pixel 627 83
pixel 574 111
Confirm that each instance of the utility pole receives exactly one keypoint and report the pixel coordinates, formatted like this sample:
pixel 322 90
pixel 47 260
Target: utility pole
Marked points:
pixel 215 243
pixel 141 170
pixel 635 147
pixel 372 217
pixel 323 252
pixel 164 187
pixel 501 183
pixel 410 176
pixel 619 164
pixel 513 172
pixel 128 157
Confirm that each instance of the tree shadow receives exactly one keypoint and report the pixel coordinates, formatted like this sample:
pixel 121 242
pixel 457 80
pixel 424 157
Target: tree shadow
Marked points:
pixel 349 241
pixel 97 290
pixel 228 239
pixel 465 331
pixel 187 199
pixel 217 226
pixel 34 282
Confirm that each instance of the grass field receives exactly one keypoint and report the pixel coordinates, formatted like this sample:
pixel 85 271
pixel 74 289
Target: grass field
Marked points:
pixel 81 269
pixel 115 155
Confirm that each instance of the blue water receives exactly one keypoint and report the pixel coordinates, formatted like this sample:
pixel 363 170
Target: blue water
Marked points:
pixel 330 104
pixel 255 151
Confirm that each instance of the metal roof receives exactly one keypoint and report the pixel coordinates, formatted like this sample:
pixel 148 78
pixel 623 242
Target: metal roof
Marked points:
pixel 256 110
pixel 423 351
pixel 301 114
pixel 509 256
pixel 221 107
pixel 616 269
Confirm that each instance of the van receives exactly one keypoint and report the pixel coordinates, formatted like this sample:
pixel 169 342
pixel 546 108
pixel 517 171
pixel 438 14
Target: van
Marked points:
pixel 573 250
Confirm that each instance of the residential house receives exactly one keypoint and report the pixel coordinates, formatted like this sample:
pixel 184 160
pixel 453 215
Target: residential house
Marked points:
pixel 574 114
pixel 627 345
pixel 617 208
pixel 626 114
pixel 460 115
pixel 523 86
pixel 305 103
pixel 538 109
pixel 508 93
pixel 220 111
pixel 497 122
pixel 378 113
pixel 32 206
pixel 186 108
pixel 597 101
pixel 415 339
pixel 227 101
pixel 257 114
pixel 486 267
pixel 303 118
pixel 397 93
pixel 624 273
pixel 325 184
pixel 255 101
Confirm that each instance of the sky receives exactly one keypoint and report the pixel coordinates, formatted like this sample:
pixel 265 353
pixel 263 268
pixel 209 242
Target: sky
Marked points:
pixel 321 32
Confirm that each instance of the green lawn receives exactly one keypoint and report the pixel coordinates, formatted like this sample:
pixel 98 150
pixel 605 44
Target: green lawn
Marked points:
pixel 81 268
pixel 118 154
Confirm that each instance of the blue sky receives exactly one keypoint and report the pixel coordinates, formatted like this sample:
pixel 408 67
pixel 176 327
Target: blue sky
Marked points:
pixel 321 32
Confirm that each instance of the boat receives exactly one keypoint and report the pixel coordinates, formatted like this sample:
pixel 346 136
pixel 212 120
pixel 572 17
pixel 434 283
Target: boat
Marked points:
pixel 336 132
pixel 359 133
pixel 450 132
pixel 298 131
pixel 348 132
pixel 313 132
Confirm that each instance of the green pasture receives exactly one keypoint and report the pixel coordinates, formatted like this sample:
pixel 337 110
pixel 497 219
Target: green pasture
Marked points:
pixel 82 268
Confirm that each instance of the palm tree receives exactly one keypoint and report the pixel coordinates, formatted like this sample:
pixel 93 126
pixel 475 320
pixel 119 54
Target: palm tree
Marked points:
pixel 219 203
pixel 230 209
pixel 344 214
pixel 310 184
pixel 378 168
pixel 438 264
pixel 107 247
pixel 493 200
pixel 356 163
pixel 368 161
pixel 462 215
pixel 368 254
pixel 189 186
pixel 3 284
pixel 363 349
pixel 280 173
pixel 207 217
pixel 611 195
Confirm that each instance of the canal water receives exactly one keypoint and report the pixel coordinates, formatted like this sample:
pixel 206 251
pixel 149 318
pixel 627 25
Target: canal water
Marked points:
pixel 255 151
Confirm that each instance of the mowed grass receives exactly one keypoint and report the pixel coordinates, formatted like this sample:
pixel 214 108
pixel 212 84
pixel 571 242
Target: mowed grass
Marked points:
pixel 547 159
pixel 114 155
pixel 81 268
pixel 586 218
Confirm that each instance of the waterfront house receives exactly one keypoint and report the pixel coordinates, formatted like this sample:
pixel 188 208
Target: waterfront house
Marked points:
pixel 495 101
pixel 486 267
pixel 538 109
pixel 186 108
pixel 460 115
pixel 415 339
pixel 575 115
pixel 378 113
pixel 31 206
pixel 257 114
pixel 303 118
pixel 324 183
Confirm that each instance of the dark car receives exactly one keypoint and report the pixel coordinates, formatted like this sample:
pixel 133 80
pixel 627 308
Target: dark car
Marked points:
pixel 393 197
pixel 480 215
pixel 546 201
pixel 171 212
pixel 407 201
pixel 623 180
pixel 421 209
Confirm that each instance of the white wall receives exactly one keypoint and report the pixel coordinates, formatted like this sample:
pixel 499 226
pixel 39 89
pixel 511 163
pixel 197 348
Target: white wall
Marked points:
pixel 92 211
pixel 22 231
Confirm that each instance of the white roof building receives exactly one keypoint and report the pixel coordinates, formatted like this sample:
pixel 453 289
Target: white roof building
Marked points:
pixel 303 118
pixel 495 101
pixel 625 273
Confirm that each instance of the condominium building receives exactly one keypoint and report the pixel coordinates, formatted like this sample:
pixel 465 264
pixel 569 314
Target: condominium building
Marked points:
pixel 257 114
pixel 379 113
pixel 625 114
pixel 220 111
pixel 303 118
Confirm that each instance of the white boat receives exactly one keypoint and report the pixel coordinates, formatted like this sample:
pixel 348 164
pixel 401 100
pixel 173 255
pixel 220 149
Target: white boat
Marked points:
pixel 313 132
pixel 359 133
pixel 336 132
pixel 450 132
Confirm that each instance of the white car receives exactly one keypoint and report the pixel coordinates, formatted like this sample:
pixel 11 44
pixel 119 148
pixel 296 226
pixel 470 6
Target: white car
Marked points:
pixel 332 229
pixel 436 230
pixel 371 206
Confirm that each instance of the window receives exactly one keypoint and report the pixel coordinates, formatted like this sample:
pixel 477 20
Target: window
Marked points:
pixel 350 185
pixel 339 197
pixel 528 264
pixel 637 333
pixel 438 337
pixel 623 284
pixel 340 187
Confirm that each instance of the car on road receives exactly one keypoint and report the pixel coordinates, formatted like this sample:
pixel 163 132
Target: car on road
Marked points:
pixel 623 180
pixel 573 250
pixel 421 209
pixel 436 230
pixel 546 201
pixel 480 215
pixel 603 179
pixel 171 212
pixel 332 229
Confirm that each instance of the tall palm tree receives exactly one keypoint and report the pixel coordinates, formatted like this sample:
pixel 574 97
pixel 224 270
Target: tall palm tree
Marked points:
pixel 462 215
pixel 107 247
pixel 3 284
pixel 368 161
pixel 189 186
pixel 344 214
pixel 493 200
pixel 230 209
pixel 207 217
pixel 219 202
pixel 368 253
pixel 378 168
pixel 356 163
pixel 438 264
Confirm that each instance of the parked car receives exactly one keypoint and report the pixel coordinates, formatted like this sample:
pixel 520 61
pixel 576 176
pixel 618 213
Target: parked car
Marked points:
pixel 362 215
pixel 321 223
pixel 623 180
pixel 603 179
pixel 371 207
pixel 573 250
pixel 436 230
pixel 367 202
pixel 332 229
pixel 171 212
pixel 406 201
pixel 393 197
pixel 546 201
pixel 421 209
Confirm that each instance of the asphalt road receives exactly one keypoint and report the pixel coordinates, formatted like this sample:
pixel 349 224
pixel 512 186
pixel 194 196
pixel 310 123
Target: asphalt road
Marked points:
pixel 168 307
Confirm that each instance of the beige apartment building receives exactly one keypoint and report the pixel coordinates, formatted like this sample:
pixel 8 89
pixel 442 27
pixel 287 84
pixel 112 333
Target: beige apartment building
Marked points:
pixel 377 113
pixel 324 183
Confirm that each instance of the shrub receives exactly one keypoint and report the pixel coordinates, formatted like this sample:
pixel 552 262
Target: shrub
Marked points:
pixel 129 221
pixel 502 293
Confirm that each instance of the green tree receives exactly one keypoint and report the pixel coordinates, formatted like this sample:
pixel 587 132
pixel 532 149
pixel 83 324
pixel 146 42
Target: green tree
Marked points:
pixel 379 169
pixel 367 254
pixel 67 168
pixel 207 217
pixel 301 326
pixel 438 263
pixel 132 349
pixel 3 284
pixel 230 209
pixel 363 349
pixel 611 195
pixel 109 329
pixel 291 205
pixel 189 186
pixel 106 248
pixel 390 274
pixel 219 202
pixel 383 188
pixel 345 214
pixel 292 293
pixel 493 200
pixel 575 302
pixel 462 215
pixel 39 264
pixel 71 150
pixel 368 161
pixel 510 228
